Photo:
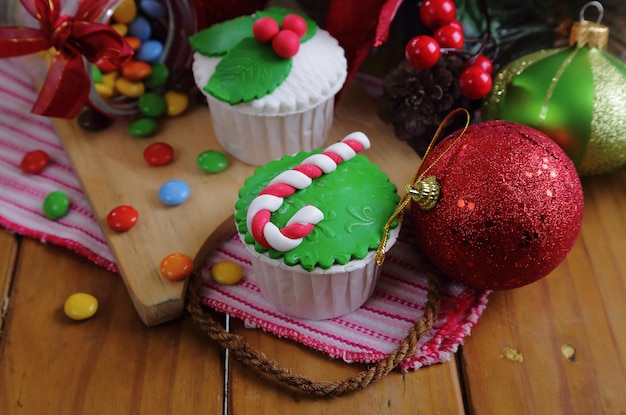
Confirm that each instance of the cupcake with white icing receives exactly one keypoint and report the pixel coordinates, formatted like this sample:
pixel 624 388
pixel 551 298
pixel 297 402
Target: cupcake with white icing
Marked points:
pixel 263 105
pixel 312 223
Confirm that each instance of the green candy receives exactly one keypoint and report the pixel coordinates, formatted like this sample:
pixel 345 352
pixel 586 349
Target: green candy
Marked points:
pixel 212 161
pixel 143 127
pixel 96 74
pixel 158 77
pixel 152 104
pixel 56 205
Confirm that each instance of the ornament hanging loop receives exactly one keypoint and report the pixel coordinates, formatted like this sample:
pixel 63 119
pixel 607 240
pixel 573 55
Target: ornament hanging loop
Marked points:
pixel 587 33
pixel 598 7
pixel 425 192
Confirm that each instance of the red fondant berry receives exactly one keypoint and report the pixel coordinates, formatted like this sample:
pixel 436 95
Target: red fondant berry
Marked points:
pixel 286 43
pixel 435 13
pixel 264 29
pixel 474 82
pixel 422 52
pixel 483 63
pixel 295 23
pixel 449 36
pixel 457 24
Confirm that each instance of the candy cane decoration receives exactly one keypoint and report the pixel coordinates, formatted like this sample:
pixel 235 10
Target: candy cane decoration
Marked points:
pixel 286 183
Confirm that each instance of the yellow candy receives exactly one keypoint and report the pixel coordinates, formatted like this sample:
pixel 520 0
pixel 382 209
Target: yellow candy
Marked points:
pixel 226 273
pixel 80 306
pixel 120 28
pixel 129 89
pixel 125 12
pixel 104 90
pixel 176 103
pixel 110 78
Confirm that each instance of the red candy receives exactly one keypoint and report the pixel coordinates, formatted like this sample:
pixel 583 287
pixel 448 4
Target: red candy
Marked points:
pixel 264 29
pixel 34 161
pixel 295 23
pixel 122 218
pixel 286 43
pixel 158 154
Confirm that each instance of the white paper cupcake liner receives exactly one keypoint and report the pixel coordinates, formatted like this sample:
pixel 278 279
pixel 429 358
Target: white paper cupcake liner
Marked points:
pixel 319 294
pixel 258 139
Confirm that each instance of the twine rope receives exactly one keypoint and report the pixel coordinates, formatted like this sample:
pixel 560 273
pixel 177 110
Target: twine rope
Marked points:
pixel 259 361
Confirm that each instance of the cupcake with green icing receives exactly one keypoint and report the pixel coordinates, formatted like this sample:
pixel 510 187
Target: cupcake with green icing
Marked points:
pixel 312 223
pixel 269 93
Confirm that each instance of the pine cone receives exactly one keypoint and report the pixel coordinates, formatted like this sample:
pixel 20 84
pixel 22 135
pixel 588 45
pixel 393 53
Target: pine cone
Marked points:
pixel 416 102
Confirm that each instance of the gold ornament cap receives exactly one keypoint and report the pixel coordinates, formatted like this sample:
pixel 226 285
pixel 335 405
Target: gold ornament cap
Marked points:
pixel 586 33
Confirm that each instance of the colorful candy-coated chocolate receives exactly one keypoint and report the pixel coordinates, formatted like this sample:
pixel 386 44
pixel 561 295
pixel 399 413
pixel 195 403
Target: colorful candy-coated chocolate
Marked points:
pixel 125 12
pixel 110 78
pixel 120 28
pixel 80 306
pixel 226 273
pixel 122 218
pixel 176 266
pixel 129 88
pixel 176 103
pixel 56 205
pixel 150 50
pixel 92 120
pixel 136 70
pixel 158 154
pixel 104 91
pixel 152 104
pixel 158 77
pixel 143 127
pixel 174 192
pixel 140 28
pixel 34 161
pixel 133 42
pixel 153 9
pixel 212 161
pixel 96 74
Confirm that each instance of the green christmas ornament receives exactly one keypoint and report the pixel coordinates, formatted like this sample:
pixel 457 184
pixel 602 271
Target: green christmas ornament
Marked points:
pixel 576 95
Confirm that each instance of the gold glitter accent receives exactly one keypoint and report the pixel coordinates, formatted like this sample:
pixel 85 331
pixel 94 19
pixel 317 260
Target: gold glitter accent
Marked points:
pixel 512 354
pixel 606 150
pixel 569 352
pixel 491 104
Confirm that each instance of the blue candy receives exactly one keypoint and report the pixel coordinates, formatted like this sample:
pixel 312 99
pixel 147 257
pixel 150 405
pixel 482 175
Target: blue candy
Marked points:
pixel 174 192
pixel 140 28
pixel 153 8
pixel 150 51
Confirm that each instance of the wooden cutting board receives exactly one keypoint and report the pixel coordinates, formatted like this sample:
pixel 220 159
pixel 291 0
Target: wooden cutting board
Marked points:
pixel 112 171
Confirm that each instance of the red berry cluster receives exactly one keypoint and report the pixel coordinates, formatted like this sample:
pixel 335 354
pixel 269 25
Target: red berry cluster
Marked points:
pixel 423 51
pixel 285 38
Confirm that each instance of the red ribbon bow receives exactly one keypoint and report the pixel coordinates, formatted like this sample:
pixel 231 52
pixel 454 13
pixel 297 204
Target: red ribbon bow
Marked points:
pixel 66 88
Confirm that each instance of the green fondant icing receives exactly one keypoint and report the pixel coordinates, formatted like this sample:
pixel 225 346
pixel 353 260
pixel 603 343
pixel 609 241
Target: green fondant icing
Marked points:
pixel 248 73
pixel 218 39
pixel 252 69
pixel 357 199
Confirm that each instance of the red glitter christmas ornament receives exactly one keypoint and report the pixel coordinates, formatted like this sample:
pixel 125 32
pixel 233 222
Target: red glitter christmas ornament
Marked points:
pixel 509 210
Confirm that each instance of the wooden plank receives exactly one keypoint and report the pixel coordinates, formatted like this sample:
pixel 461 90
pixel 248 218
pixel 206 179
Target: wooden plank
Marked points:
pixel 112 171
pixel 111 363
pixel 429 390
pixel 8 252
pixel 580 304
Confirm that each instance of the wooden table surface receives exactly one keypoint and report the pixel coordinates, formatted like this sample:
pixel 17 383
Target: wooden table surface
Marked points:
pixel 114 364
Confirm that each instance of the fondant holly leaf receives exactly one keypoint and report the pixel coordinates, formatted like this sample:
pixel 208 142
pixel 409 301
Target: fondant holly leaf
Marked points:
pixel 279 13
pixel 248 71
pixel 218 39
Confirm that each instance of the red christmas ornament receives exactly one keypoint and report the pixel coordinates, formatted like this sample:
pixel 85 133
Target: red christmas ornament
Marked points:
pixel 510 206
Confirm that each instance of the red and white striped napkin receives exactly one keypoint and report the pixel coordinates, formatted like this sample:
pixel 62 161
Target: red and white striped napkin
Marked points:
pixel 366 335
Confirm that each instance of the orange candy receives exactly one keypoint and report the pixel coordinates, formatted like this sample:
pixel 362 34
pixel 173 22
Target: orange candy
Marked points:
pixel 133 42
pixel 176 266
pixel 136 70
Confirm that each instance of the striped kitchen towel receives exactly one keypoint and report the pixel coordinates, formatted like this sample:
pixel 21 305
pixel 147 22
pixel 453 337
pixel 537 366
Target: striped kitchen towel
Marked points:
pixel 366 335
